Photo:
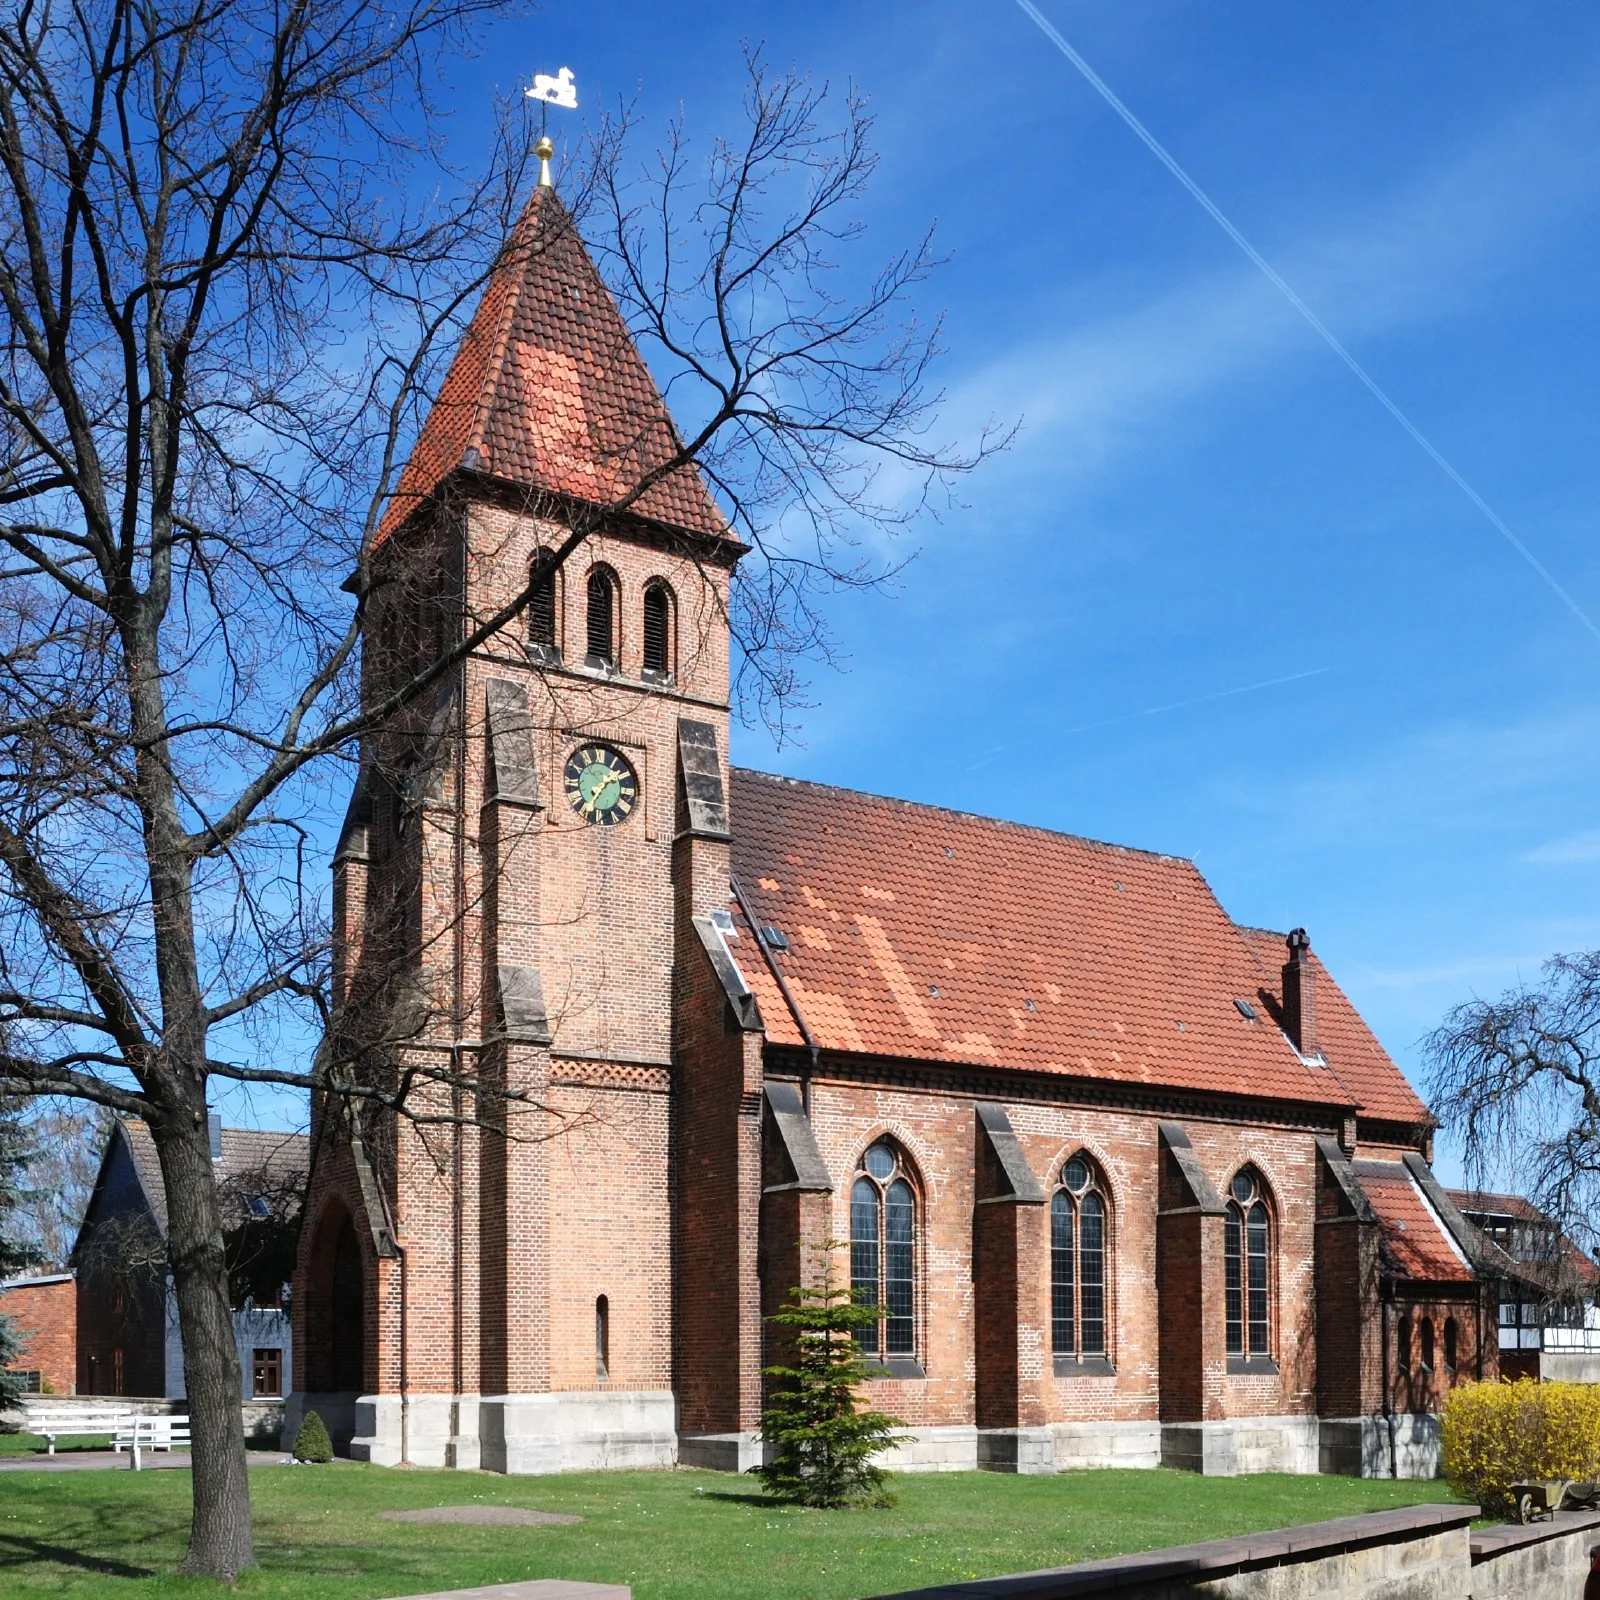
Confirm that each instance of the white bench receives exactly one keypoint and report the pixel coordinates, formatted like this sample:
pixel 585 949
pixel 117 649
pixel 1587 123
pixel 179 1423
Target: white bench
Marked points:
pixel 150 1433
pixel 78 1423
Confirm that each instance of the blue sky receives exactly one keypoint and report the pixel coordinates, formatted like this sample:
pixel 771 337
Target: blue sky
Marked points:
pixel 1201 499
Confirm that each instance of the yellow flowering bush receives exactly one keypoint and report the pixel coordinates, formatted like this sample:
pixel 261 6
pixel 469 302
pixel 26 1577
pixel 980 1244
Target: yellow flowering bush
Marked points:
pixel 1497 1434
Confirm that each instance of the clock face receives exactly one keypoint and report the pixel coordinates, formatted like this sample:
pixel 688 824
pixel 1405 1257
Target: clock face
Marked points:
pixel 601 784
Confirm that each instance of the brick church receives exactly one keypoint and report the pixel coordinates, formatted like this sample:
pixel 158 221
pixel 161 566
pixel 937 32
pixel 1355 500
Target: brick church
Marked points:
pixel 1133 1184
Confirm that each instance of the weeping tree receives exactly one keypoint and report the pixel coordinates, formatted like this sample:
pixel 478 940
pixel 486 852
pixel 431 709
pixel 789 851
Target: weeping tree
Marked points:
pixel 1516 1081
pixel 233 263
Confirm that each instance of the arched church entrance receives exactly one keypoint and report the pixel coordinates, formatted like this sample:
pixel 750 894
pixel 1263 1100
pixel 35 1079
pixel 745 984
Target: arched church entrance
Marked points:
pixel 335 1306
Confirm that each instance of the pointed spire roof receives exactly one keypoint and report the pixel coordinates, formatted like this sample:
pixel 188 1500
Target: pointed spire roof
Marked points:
pixel 549 392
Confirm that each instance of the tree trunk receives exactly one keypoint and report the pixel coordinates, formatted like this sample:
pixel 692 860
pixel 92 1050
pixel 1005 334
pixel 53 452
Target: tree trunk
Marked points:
pixel 220 1543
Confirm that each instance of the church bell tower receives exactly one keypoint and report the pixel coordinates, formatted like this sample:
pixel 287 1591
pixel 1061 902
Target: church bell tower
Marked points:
pixel 490 1280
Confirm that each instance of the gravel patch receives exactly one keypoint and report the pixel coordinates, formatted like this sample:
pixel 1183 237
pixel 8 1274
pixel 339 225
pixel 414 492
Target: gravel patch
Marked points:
pixel 495 1515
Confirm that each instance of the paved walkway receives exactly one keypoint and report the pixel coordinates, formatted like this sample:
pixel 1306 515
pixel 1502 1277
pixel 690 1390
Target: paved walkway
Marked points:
pixel 100 1460
pixel 534 1589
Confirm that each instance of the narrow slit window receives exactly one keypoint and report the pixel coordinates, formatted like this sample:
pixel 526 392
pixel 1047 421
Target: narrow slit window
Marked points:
pixel 1427 1344
pixel 658 630
pixel 1403 1341
pixel 1451 1338
pixel 602 1339
pixel 602 631
pixel 542 612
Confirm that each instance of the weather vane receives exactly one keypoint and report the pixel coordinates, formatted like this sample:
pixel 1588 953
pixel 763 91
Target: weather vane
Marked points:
pixel 562 91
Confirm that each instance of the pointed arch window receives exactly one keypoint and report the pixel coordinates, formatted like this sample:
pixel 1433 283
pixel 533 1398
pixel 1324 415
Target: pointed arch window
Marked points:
pixel 1451 1339
pixel 1079 1250
pixel 883 1256
pixel 602 619
pixel 1247 1268
pixel 658 630
pixel 544 639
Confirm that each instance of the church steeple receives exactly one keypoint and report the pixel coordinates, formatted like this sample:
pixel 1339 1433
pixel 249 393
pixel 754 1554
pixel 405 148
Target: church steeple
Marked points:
pixel 548 391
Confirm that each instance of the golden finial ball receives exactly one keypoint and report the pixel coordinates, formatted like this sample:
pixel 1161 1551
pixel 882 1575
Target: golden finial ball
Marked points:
pixel 545 149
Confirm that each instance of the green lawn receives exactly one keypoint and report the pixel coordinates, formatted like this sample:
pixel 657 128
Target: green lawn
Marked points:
pixel 27 1444
pixel 671 1535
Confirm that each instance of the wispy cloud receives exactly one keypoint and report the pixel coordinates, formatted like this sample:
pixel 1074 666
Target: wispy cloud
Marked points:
pixel 1432 249
pixel 1574 849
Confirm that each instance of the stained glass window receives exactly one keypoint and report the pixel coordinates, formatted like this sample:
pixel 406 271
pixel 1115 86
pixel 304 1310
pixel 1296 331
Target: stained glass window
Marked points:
pixel 883 1251
pixel 1078 1249
pixel 1247 1275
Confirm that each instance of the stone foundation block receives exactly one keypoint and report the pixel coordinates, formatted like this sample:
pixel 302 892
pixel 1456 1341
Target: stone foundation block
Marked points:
pixel 1025 1450
pixel 720 1452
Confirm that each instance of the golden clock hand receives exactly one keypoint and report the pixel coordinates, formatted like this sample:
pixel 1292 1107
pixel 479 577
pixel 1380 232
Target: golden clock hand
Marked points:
pixel 598 790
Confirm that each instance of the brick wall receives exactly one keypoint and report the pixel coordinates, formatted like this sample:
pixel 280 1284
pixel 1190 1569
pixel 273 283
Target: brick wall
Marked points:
pixel 46 1318
pixel 622 1159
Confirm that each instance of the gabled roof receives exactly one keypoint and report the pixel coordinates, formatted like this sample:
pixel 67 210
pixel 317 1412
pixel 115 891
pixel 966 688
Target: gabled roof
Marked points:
pixel 1414 1234
pixel 1572 1264
pixel 926 934
pixel 277 1159
pixel 1352 1051
pixel 549 392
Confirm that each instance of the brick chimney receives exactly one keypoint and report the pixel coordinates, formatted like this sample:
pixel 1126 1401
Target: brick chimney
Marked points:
pixel 1300 995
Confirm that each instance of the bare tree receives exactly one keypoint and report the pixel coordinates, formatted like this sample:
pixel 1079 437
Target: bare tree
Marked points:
pixel 224 314
pixel 65 1139
pixel 1517 1082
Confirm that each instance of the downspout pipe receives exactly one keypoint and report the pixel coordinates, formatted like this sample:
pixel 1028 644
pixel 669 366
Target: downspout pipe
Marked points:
pixel 1385 1299
pixel 784 990
pixel 405 1374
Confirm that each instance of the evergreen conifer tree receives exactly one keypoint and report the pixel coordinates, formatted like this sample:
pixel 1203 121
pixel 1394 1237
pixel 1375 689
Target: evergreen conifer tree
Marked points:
pixel 824 1444
pixel 14 1255
pixel 312 1442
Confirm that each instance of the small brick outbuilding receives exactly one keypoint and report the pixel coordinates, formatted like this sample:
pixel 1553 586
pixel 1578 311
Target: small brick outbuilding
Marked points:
pixel 44 1309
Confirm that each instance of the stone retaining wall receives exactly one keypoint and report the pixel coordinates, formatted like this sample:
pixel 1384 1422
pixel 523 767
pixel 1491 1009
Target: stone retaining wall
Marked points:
pixel 1544 1561
pixel 1416 1553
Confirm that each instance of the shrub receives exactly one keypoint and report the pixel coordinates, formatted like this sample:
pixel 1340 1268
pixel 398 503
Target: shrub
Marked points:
pixel 824 1445
pixel 312 1442
pixel 1497 1434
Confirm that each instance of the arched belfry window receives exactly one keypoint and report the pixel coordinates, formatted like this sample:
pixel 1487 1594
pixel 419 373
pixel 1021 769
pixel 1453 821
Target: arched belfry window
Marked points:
pixel 1079 1240
pixel 544 641
pixel 658 628
pixel 883 1253
pixel 602 618
pixel 1247 1264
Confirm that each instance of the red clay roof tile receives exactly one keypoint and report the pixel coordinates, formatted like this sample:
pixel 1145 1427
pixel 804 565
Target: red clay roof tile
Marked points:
pixel 927 934
pixel 1414 1233
pixel 550 390
pixel 1353 1054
